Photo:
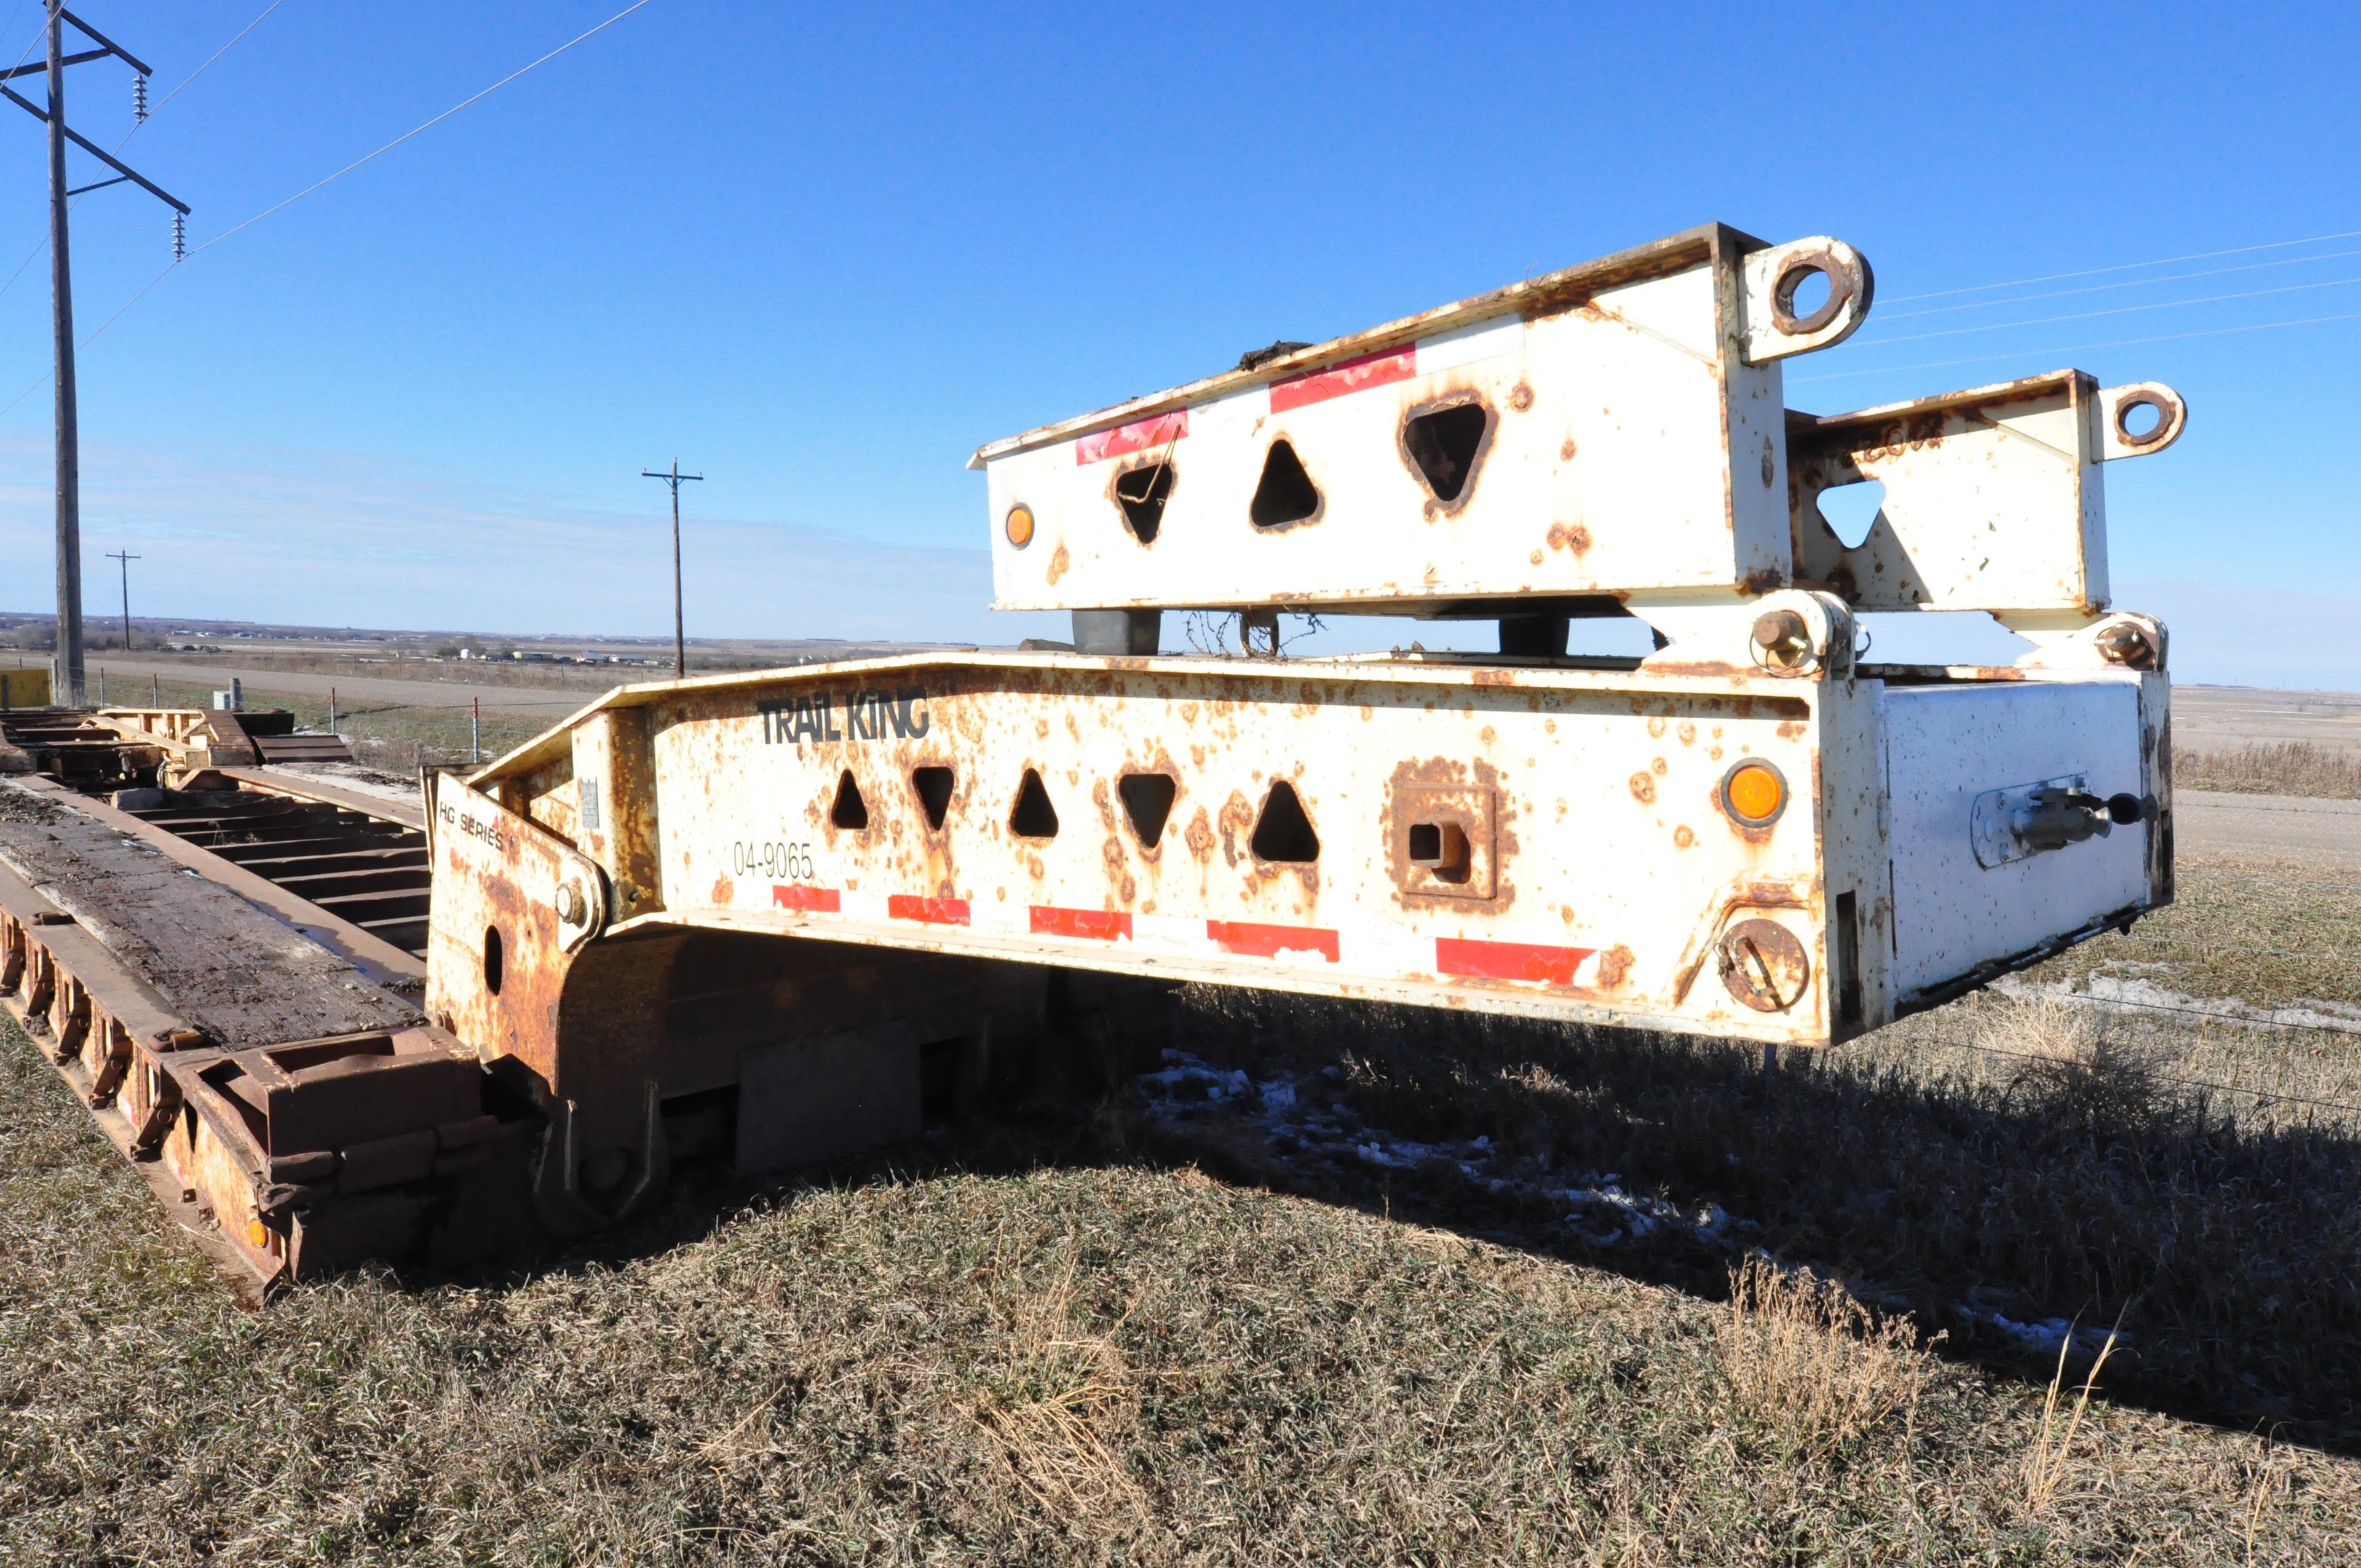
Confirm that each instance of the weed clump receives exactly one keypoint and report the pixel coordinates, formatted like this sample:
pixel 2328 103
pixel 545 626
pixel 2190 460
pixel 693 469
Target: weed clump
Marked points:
pixel 1810 1369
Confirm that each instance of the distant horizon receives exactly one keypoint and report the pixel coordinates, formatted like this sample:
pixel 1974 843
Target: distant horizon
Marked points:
pixel 1435 634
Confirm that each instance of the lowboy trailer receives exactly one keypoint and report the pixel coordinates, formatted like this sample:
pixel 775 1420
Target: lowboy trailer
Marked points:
pixel 761 912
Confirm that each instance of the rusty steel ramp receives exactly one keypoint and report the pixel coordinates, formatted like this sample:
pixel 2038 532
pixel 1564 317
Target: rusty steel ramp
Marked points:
pixel 287 1098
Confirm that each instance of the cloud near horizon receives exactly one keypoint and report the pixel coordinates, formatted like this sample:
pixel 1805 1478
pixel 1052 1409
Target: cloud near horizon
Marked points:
pixel 328 538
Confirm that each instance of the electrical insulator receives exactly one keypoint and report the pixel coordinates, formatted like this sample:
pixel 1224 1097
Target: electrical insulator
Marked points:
pixel 179 237
pixel 139 98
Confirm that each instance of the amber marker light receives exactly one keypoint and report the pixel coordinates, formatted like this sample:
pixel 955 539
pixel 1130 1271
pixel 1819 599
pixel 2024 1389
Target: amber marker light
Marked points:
pixel 1019 526
pixel 1753 794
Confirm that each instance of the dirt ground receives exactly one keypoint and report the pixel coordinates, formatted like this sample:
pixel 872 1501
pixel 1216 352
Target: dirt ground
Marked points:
pixel 2215 718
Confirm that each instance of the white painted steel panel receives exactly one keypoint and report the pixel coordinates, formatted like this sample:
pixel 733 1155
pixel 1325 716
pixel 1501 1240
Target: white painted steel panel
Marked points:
pixel 1947 744
pixel 1630 443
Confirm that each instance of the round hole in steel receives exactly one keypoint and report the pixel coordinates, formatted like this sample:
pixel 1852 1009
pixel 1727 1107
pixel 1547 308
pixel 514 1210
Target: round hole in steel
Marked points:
pixel 1808 295
pixel 2139 420
pixel 492 959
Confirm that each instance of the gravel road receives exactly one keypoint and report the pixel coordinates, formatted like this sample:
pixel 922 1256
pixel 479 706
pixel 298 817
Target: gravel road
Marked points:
pixel 2269 827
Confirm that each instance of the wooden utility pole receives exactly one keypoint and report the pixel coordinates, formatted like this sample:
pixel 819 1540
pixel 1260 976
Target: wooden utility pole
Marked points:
pixel 126 560
pixel 68 682
pixel 676 478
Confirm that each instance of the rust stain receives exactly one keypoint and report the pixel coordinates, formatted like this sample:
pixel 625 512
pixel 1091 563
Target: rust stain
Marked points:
pixel 1644 789
pixel 1574 539
pixel 1614 967
pixel 1448 793
pixel 1059 562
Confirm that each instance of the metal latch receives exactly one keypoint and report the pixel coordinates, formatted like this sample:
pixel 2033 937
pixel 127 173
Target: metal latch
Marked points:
pixel 2028 820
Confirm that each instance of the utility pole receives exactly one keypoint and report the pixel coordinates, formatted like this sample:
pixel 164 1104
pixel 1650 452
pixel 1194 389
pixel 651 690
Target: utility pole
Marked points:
pixel 126 560
pixel 67 683
pixel 676 478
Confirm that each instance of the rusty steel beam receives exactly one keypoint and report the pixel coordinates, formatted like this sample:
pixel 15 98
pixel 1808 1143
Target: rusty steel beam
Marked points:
pixel 303 787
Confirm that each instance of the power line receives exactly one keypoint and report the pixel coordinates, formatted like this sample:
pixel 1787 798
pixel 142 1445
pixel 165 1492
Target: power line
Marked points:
pixel 339 174
pixel 405 136
pixel 200 70
pixel 139 124
pixel 2116 311
pixel 2130 284
pixel 2123 267
pixel 2029 353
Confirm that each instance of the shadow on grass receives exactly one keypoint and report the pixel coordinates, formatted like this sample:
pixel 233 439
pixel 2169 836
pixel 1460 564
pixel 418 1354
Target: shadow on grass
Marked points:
pixel 2081 1188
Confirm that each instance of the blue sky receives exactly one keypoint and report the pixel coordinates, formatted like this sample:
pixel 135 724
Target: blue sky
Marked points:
pixel 823 254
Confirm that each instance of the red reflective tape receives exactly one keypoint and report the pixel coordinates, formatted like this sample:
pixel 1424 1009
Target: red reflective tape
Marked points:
pixel 1508 960
pixel 1350 376
pixel 820 899
pixel 1268 941
pixel 933 911
pixel 1107 924
pixel 1162 430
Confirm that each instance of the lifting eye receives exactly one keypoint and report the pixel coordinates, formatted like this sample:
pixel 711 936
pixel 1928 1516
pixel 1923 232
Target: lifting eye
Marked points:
pixel 1754 793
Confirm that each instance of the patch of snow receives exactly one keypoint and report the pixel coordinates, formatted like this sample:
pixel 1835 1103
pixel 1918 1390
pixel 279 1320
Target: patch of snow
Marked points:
pixel 2119 994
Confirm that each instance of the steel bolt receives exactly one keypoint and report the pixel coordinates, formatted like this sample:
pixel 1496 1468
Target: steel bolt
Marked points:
pixel 571 908
pixel 1784 637
pixel 2127 645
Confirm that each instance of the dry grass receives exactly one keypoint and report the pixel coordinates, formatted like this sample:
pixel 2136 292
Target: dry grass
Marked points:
pixel 2050 1461
pixel 2286 767
pixel 397 740
pixel 1054 1338
pixel 1027 1350
pixel 2072 1179
pixel 1807 1363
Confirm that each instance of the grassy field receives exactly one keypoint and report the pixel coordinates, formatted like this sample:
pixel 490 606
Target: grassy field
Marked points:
pixel 2289 767
pixel 1303 1285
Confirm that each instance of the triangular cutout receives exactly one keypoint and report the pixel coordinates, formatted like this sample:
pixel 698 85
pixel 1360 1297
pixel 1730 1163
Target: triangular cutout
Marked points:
pixel 1287 493
pixel 933 786
pixel 1851 510
pixel 1147 801
pixel 1142 492
pixel 1283 832
pixel 1446 444
pixel 850 811
pixel 1033 817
